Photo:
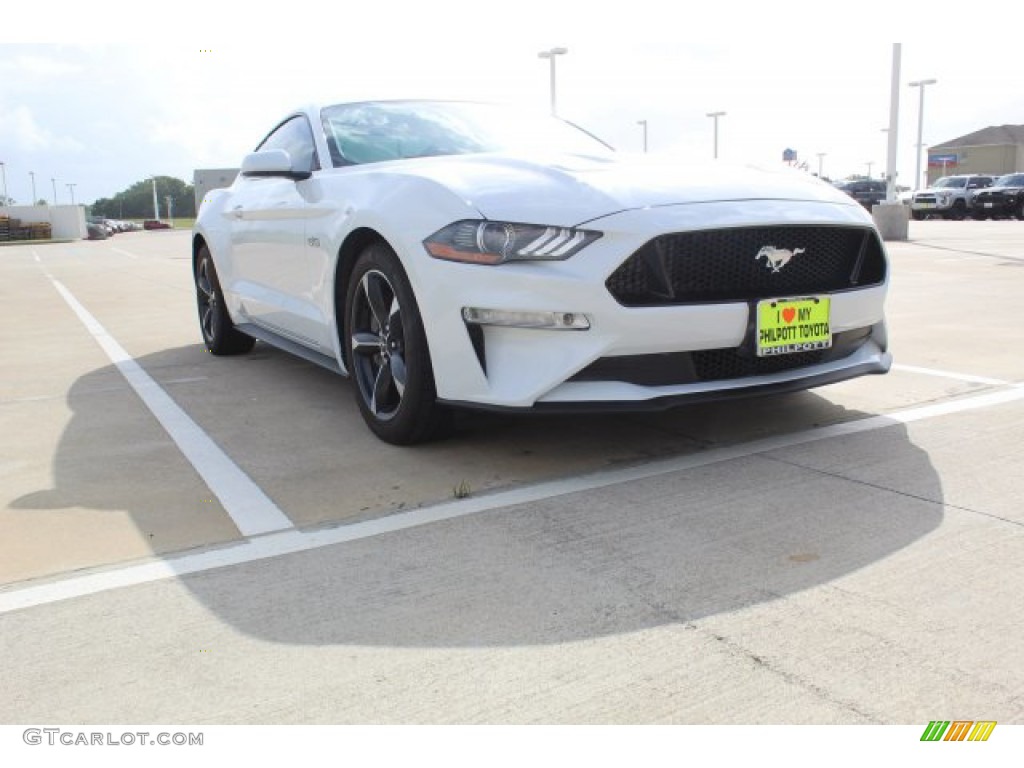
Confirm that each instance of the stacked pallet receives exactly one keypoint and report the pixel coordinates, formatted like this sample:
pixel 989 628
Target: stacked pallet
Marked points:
pixel 18 231
pixel 40 230
pixel 5 228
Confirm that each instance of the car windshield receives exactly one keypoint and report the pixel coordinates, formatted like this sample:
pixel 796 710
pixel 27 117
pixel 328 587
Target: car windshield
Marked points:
pixel 951 181
pixel 1010 180
pixel 371 132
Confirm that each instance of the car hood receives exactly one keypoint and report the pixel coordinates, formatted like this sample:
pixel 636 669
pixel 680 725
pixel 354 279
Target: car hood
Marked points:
pixel 569 190
pixel 1002 190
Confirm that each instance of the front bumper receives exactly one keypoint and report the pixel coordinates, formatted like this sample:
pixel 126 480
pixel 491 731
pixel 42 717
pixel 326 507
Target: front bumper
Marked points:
pixel 932 205
pixel 994 205
pixel 506 367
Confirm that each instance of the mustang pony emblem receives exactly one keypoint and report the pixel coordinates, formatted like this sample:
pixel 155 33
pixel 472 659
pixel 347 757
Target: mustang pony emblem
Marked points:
pixel 777 258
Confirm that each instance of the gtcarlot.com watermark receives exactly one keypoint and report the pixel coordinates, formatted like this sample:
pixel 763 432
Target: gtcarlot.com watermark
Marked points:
pixel 57 736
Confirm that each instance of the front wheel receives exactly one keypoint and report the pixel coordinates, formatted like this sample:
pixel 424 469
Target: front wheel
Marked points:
pixel 387 352
pixel 959 212
pixel 219 333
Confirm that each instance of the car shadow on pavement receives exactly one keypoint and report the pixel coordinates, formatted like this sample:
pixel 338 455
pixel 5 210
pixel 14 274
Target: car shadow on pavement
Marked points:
pixel 670 549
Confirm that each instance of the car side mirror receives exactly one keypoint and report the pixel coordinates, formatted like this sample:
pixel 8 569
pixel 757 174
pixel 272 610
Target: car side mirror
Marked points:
pixel 272 162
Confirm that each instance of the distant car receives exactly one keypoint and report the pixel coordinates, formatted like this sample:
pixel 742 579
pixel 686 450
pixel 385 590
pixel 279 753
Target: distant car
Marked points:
pixel 1004 198
pixel 154 224
pixel 949 197
pixel 456 255
pixel 105 224
pixel 867 192
pixel 95 231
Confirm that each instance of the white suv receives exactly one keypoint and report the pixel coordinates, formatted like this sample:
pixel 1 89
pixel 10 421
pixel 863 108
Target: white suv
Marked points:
pixel 949 197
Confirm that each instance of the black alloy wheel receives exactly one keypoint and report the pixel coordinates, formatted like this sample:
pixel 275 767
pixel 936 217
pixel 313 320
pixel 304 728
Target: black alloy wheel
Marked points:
pixel 378 345
pixel 387 352
pixel 219 334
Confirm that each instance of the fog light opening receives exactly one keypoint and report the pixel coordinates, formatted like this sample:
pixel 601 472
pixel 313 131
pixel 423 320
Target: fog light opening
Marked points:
pixel 554 321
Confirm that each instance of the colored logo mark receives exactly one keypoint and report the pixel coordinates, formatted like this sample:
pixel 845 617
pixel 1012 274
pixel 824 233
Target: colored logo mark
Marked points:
pixel 958 730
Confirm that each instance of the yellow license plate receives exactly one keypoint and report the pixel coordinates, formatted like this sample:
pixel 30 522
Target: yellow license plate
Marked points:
pixel 785 326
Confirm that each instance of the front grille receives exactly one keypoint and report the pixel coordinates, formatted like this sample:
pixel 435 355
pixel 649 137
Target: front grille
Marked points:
pixel 676 368
pixel 717 364
pixel 723 265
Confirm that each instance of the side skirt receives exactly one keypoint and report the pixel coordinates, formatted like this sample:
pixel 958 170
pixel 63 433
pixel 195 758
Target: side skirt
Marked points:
pixel 292 347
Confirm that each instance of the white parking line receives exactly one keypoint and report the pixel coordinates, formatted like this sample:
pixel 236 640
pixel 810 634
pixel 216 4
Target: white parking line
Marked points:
pixel 250 509
pixel 965 377
pixel 124 253
pixel 287 542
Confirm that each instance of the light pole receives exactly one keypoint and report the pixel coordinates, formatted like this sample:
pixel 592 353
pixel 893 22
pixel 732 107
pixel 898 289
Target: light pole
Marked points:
pixel 550 55
pixel 885 163
pixel 54 182
pixel 3 173
pixel 715 116
pixel 156 205
pixel 643 124
pixel 34 198
pixel 821 156
pixel 920 128
pixel 892 131
pixel 869 164
pixel 71 189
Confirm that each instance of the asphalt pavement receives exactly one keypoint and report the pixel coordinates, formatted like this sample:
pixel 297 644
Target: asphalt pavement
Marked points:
pixel 849 555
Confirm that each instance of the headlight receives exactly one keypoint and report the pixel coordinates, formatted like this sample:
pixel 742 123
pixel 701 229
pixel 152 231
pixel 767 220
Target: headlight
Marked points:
pixel 496 242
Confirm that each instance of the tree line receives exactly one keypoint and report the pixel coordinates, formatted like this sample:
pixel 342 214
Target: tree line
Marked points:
pixel 136 202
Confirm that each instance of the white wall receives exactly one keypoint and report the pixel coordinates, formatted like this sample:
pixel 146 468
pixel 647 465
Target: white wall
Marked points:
pixel 66 221
pixel 205 179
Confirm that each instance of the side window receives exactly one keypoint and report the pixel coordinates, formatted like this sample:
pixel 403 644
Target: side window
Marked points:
pixel 294 136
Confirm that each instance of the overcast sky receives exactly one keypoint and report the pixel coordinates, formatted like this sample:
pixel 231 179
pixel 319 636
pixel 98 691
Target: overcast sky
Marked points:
pixel 111 95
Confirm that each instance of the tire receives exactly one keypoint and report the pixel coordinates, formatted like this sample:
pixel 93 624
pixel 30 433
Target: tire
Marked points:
pixel 917 215
pixel 1019 210
pixel 959 212
pixel 387 353
pixel 219 334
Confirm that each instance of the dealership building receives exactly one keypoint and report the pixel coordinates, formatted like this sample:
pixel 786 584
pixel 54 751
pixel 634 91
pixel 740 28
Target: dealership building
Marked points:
pixel 996 150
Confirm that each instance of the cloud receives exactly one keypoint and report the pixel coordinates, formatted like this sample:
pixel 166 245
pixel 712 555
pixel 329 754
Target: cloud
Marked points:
pixel 38 67
pixel 19 129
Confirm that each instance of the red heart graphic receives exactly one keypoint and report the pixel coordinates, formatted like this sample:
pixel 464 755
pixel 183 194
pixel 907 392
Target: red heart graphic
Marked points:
pixel 788 314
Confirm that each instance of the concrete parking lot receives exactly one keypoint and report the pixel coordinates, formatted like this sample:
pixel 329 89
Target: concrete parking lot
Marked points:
pixel 853 554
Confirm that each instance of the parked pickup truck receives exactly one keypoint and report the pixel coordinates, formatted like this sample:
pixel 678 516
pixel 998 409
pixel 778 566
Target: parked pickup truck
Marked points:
pixel 949 197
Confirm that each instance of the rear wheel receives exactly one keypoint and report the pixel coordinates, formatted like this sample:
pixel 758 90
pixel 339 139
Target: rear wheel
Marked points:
pixel 387 352
pixel 1019 210
pixel 219 333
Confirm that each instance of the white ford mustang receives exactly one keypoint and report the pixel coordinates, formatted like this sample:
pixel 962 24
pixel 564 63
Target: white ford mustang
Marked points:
pixel 466 255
